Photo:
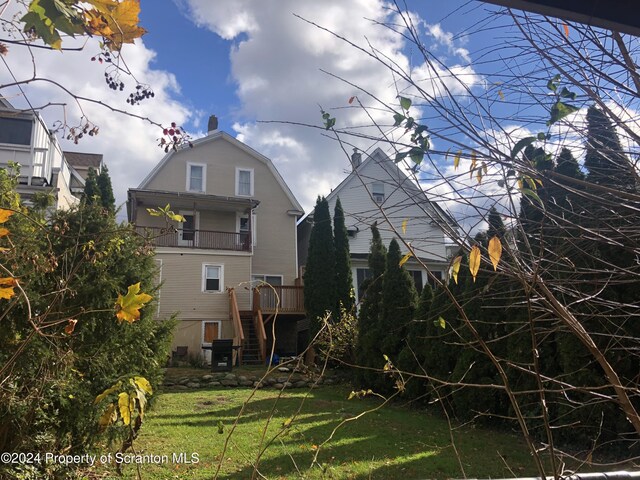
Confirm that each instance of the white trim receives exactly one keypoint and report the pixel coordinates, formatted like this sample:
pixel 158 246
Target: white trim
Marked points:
pixel 220 278
pixel 196 227
pixel 251 180
pixel 159 290
pixel 188 177
pixel 198 251
pixel 265 275
pixel 254 236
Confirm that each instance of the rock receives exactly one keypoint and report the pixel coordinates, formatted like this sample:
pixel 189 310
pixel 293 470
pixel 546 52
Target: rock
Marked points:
pixel 279 386
pixel 328 381
pixel 284 369
pixel 242 378
pixel 287 385
pixel 181 387
pixel 214 384
pixel 269 380
pixel 184 381
pixel 257 385
pixel 193 385
pixel 282 379
pixel 230 376
pixel 168 383
pixel 246 383
pixel 300 384
pixel 206 378
pixel 229 382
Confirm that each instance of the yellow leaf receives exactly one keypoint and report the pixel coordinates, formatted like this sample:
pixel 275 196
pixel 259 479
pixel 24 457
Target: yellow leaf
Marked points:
pixel 456 160
pixel 5 214
pixel 455 268
pixel 143 384
pixel 501 94
pixel 4 232
pixel 474 261
pixel 6 287
pixel 404 226
pixel 121 20
pixel 70 326
pixel 479 175
pixel 124 407
pixel 108 417
pixel 566 29
pixel 128 307
pixel 108 391
pixel 440 322
pixel 485 169
pixel 495 251
pixel 520 184
pixel 474 159
pixel 404 259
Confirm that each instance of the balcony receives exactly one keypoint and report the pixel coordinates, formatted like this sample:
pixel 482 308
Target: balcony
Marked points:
pixel 279 299
pixel 199 239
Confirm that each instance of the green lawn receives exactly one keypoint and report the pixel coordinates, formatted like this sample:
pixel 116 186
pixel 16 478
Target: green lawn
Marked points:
pixel 393 442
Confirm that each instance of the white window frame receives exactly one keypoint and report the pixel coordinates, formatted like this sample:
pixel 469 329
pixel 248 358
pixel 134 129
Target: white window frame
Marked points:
pixel 241 169
pixel 196 227
pixel 254 224
pixel 264 277
pixel 204 177
pixel 378 196
pixel 220 278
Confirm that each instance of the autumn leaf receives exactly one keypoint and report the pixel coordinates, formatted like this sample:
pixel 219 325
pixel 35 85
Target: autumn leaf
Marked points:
pixel 351 99
pixel 566 29
pixel 121 20
pixel 6 287
pixel 4 232
pixel 3 49
pixel 108 417
pixel 455 268
pixel 128 307
pixel 404 226
pixel 474 261
pixel 404 259
pixel 5 214
pixel 495 252
pixel 124 405
pixel 71 325
pixel 440 322
pixel 108 391
pixel 501 94
pixel 474 159
pixel 456 160
pixel 143 384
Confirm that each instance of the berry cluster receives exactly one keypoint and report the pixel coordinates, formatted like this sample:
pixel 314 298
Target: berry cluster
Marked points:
pixel 113 81
pixel 103 56
pixel 76 133
pixel 174 137
pixel 142 93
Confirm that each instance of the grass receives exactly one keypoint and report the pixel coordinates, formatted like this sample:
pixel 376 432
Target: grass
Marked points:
pixel 392 442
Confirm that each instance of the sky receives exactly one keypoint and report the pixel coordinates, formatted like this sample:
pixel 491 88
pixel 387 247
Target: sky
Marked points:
pixel 262 68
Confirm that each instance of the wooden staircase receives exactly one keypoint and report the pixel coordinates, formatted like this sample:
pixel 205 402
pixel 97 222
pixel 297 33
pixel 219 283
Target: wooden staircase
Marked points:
pixel 251 347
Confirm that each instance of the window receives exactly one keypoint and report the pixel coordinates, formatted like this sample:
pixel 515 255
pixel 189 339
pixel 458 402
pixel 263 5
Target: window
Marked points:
pixel 417 279
pixel 244 182
pixel 275 280
pixel 187 229
pixel 211 278
pixel 437 274
pixel 196 177
pixel 16 131
pixel 244 227
pixel 377 191
pixel 362 274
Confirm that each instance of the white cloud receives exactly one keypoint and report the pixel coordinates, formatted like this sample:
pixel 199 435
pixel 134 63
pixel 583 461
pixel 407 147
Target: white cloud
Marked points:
pixel 129 145
pixel 277 62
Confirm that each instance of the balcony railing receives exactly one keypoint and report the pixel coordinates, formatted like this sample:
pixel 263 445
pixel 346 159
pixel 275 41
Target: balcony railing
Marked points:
pixel 291 299
pixel 203 239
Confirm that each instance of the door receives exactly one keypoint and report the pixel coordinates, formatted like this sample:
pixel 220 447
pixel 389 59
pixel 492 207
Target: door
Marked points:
pixel 187 231
pixel 210 332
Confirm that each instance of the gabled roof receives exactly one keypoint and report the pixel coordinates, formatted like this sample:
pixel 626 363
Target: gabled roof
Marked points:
pixel 396 174
pixel 220 135
pixel 80 159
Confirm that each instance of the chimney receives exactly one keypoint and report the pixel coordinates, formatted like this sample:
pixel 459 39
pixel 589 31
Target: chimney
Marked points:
pixel 213 124
pixel 356 158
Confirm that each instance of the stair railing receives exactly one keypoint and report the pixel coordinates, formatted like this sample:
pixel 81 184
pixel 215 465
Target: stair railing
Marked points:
pixel 261 335
pixel 238 338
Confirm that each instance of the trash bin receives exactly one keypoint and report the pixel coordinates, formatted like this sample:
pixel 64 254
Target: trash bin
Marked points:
pixel 221 355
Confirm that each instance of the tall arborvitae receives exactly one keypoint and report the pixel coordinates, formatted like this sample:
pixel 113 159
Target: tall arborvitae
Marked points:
pixel 91 188
pixel 344 280
pixel 605 160
pixel 368 351
pixel 399 302
pixel 106 190
pixel 320 275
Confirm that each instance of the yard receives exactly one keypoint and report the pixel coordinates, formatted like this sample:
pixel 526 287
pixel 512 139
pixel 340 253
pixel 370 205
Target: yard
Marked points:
pixel 393 442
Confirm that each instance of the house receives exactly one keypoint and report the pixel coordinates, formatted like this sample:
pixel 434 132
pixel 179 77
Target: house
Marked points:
pixel 80 164
pixel 378 182
pixel 239 233
pixel 26 141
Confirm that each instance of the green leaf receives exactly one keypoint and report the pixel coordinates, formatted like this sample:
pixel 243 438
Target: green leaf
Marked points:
pixel 328 124
pixel 405 103
pixel 398 119
pixel 542 136
pixel 400 156
pixel 440 322
pixel 521 144
pixel 533 195
pixel 559 111
pixel 565 93
pixel 552 84
pixel 417 155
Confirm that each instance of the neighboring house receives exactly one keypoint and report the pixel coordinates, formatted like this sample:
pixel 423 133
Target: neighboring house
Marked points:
pixel 26 140
pixel 80 164
pixel 240 231
pixel 378 182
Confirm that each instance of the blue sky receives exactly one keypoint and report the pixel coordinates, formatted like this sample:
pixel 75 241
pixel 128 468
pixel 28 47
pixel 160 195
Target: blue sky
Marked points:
pixel 251 61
